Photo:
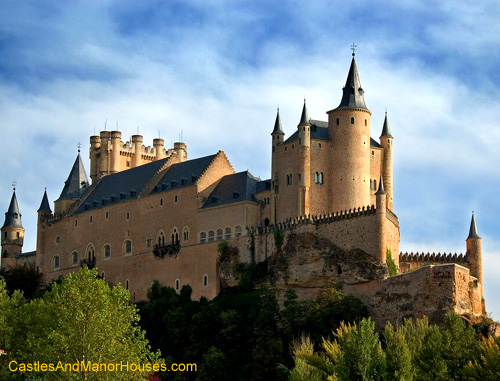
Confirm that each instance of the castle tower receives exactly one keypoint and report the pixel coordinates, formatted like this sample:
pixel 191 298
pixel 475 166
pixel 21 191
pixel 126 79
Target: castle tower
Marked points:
pixel 137 146
pixel 95 146
pixel 349 134
pixel 159 145
pixel 475 254
pixel 12 234
pixel 277 138
pixel 304 176
pixel 76 184
pixel 181 151
pixel 116 139
pixel 44 213
pixel 386 141
pixel 104 160
pixel 381 196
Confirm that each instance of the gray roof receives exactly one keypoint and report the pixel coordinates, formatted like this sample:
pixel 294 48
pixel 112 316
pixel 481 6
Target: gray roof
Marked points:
pixel 120 187
pixel 473 228
pixel 353 94
pixel 277 125
pixel 237 187
pixel 263 185
pixel 381 189
pixel 374 143
pixel 26 255
pixel 304 118
pixel 386 131
pixel 183 174
pixel 77 182
pixel 44 206
pixel 13 216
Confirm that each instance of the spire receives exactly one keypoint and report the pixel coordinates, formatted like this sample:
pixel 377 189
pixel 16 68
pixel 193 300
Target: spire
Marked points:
pixel 381 189
pixel 13 216
pixel 473 228
pixel 386 131
pixel 45 206
pixel 353 94
pixel 76 183
pixel 277 125
pixel 304 118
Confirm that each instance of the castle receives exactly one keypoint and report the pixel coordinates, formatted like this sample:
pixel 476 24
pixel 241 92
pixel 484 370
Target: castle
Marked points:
pixel 149 213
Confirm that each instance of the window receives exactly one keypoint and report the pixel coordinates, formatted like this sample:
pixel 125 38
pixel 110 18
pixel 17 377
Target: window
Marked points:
pixel 338 121
pixel 90 253
pixel 237 231
pixel 175 236
pixel 352 120
pixel 127 247
pixel 286 148
pixel 76 223
pixel 185 234
pixel 227 234
pixel 319 145
pixel 203 237
pixel 321 178
pixel 210 236
pixel 371 184
pixel 128 215
pixel 316 178
pixel 127 284
pixel 375 184
pixel 293 146
pixel 102 275
pixel 74 258
pixel 373 153
pixel 161 202
pixel 56 262
pixel 106 252
pixel 176 198
pixel 58 239
pixel 91 219
pixel 177 284
pixel 219 234
pixel 107 215
pixel 205 280
pixel 161 239
pixel 289 179
pixel 149 242
pixel 17 234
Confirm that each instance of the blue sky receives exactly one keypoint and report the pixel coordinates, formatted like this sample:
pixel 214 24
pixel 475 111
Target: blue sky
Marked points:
pixel 217 70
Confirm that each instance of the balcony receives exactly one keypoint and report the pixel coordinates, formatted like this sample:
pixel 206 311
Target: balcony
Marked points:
pixel 161 250
pixel 90 263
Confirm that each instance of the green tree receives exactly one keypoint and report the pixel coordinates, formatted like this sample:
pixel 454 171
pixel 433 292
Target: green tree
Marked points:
pixel 398 355
pixel 487 366
pixel 85 319
pixel 306 362
pixel 25 279
pixel 214 366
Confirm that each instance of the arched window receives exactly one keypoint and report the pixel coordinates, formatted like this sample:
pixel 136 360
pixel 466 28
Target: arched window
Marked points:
pixel 338 121
pixel 74 257
pixel 205 280
pixel 237 231
pixel 175 236
pixel 203 237
pixel 185 234
pixel 366 122
pixel 127 247
pixel 56 262
pixel 90 253
pixel 316 178
pixel 219 234
pixel 177 284
pixel 106 252
pixel 210 236
pixel 161 238
pixel 127 284
pixel 352 120
pixel 321 181
pixel 227 234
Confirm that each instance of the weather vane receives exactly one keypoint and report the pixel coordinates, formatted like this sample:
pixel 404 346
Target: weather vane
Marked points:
pixel 353 48
pixel 14 184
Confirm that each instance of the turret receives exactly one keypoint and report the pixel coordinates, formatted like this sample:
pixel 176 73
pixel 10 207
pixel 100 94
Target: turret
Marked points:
pixel 381 214
pixel 304 175
pixel 12 234
pixel 181 150
pixel 278 136
pixel 159 145
pixel 386 141
pixel 44 213
pixel 95 145
pixel 137 146
pixel 44 210
pixel 74 187
pixel 104 165
pixel 349 134
pixel 116 139
pixel 475 254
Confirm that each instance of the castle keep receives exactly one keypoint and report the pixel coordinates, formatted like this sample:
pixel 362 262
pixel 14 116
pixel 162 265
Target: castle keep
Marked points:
pixel 150 213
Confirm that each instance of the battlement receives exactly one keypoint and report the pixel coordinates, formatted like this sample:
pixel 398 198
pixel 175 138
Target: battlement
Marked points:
pixel 428 257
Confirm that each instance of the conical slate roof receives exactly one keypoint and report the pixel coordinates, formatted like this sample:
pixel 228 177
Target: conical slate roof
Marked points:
pixel 76 183
pixel 353 94
pixel 277 125
pixel 45 206
pixel 381 189
pixel 386 131
pixel 473 228
pixel 13 216
pixel 304 118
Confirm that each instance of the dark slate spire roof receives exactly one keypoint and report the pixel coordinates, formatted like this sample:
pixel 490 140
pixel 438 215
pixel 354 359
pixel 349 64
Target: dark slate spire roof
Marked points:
pixel 45 206
pixel 386 131
pixel 76 183
pixel 381 189
pixel 304 118
pixel 473 228
pixel 13 216
pixel 277 125
pixel 353 94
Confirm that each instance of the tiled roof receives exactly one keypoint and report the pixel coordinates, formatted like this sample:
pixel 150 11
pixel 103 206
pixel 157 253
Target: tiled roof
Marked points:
pixel 237 187
pixel 77 182
pixel 13 216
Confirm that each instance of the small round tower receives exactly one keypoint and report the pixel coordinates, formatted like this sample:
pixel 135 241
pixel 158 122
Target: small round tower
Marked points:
pixel 12 234
pixel 159 145
pixel 181 150
pixel 304 175
pixel 116 139
pixel 475 254
pixel 95 145
pixel 349 134
pixel 386 141
pixel 137 155
pixel 278 137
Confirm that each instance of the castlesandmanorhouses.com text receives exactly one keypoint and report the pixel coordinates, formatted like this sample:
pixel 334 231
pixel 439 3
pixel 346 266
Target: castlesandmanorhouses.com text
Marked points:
pixel 89 366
